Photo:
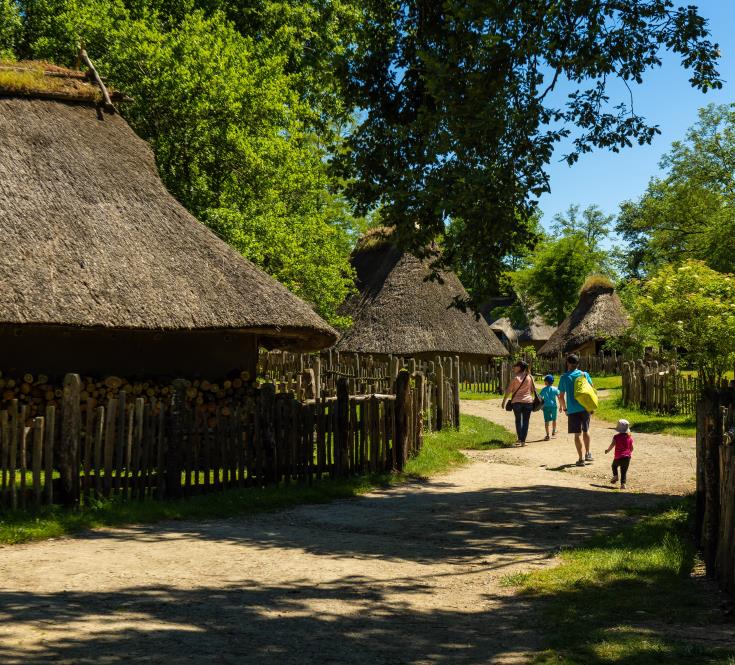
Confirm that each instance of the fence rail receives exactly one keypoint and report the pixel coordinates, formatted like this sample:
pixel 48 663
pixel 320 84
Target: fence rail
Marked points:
pixel 715 495
pixel 169 448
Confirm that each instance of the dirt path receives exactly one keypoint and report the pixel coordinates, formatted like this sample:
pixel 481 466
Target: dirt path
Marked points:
pixel 661 463
pixel 406 575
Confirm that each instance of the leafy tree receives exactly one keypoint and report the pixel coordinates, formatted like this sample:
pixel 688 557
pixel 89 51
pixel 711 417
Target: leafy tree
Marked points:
pixel 238 122
pixel 461 109
pixel 691 212
pixel 11 28
pixel 556 271
pixel 592 224
pixel 691 307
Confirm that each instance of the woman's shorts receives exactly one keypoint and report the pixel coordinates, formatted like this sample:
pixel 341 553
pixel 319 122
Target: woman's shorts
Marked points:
pixel 550 414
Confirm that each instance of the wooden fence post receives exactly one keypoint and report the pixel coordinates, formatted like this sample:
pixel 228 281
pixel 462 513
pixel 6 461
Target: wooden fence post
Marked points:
pixel 69 443
pixel 403 395
pixel 710 526
pixel 456 391
pixel 341 440
pixel 419 404
pixel 176 440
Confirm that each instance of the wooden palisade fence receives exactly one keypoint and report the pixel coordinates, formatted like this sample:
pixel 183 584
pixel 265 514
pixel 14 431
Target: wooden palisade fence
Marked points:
pixel 310 376
pixel 715 496
pixel 659 388
pixel 146 447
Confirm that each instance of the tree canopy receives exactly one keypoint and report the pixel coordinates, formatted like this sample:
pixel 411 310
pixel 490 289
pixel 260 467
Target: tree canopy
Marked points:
pixel 690 308
pixel 461 111
pixel 690 213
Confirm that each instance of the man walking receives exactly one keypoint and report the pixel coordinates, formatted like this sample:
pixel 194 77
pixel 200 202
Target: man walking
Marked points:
pixel 578 419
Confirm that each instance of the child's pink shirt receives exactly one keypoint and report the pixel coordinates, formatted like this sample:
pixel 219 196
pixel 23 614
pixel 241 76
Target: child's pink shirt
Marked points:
pixel 623 445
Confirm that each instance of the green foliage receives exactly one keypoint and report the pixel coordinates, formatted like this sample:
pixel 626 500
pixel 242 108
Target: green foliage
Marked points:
pixel 462 111
pixel 242 110
pixel 11 28
pixel 691 308
pixel 556 271
pixel 691 212
pixel 592 224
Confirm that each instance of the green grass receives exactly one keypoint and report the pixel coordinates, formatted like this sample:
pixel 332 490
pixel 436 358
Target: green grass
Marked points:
pixel 441 452
pixel 622 598
pixel 465 394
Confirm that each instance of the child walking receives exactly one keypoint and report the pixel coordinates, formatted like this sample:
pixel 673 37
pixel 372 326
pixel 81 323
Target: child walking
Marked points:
pixel 550 394
pixel 623 444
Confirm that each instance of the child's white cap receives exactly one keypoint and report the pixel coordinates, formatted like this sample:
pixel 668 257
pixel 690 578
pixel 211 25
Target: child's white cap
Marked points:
pixel 623 426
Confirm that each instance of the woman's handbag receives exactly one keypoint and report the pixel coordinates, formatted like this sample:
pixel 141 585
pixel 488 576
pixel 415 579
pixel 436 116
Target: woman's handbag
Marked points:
pixel 509 403
pixel 537 401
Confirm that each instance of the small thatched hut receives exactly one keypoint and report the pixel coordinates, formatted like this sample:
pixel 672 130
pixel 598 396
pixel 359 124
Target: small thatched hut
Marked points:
pixel 102 269
pixel 537 332
pixel 505 332
pixel 598 317
pixel 397 311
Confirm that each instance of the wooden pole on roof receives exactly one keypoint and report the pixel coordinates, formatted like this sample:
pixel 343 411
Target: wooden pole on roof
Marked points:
pixel 108 105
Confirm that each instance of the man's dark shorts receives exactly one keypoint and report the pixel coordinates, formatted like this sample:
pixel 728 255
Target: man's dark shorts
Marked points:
pixel 578 422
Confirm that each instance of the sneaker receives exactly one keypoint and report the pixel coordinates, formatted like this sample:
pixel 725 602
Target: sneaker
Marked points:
pixel 580 462
pixel 588 457
pixel 553 433
pixel 547 437
pixel 614 480
pixel 622 486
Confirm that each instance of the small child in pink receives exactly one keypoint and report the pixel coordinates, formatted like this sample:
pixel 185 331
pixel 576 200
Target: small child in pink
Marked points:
pixel 623 444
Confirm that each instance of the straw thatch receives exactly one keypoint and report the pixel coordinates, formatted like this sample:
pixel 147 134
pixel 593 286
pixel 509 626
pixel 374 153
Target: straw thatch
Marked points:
pixel 506 333
pixel 598 316
pixel 396 311
pixel 91 238
pixel 537 332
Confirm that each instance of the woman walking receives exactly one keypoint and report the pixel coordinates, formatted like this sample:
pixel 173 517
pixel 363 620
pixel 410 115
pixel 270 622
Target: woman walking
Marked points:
pixel 521 392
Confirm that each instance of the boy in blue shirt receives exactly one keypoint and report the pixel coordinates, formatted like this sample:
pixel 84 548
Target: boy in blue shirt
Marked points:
pixel 578 418
pixel 549 394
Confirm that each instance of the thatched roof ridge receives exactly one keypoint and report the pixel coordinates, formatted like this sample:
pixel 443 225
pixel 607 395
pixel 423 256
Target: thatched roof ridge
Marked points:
pixel 599 315
pixel 92 238
pixel 397 311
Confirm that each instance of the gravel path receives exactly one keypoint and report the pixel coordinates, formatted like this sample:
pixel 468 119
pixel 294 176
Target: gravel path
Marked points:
pixel 404 575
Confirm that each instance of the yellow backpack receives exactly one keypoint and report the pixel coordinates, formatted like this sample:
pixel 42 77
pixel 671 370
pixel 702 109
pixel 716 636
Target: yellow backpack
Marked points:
pixel 585 394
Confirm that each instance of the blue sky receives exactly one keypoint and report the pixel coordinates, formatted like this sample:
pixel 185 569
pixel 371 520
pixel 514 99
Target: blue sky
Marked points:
pixel 666 99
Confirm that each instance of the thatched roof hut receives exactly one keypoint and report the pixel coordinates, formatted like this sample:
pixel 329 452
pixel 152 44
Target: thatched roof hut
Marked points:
pixel 537 332
pixel 505 332
pixel 397 311
pixel 598 316
pixel 102 269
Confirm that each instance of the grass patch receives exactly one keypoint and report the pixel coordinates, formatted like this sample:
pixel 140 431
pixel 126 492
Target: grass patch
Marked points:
pixel 465 394
pixel 612 409
pixel 441 452
pixel 618 598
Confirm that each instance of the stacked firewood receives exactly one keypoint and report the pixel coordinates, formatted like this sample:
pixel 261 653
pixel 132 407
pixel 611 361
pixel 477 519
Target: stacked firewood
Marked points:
pixel 36 391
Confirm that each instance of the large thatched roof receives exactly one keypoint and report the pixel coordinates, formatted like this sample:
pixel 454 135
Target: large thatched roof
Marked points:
pixel 91 237
pixel 396 311
pixel 598 316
